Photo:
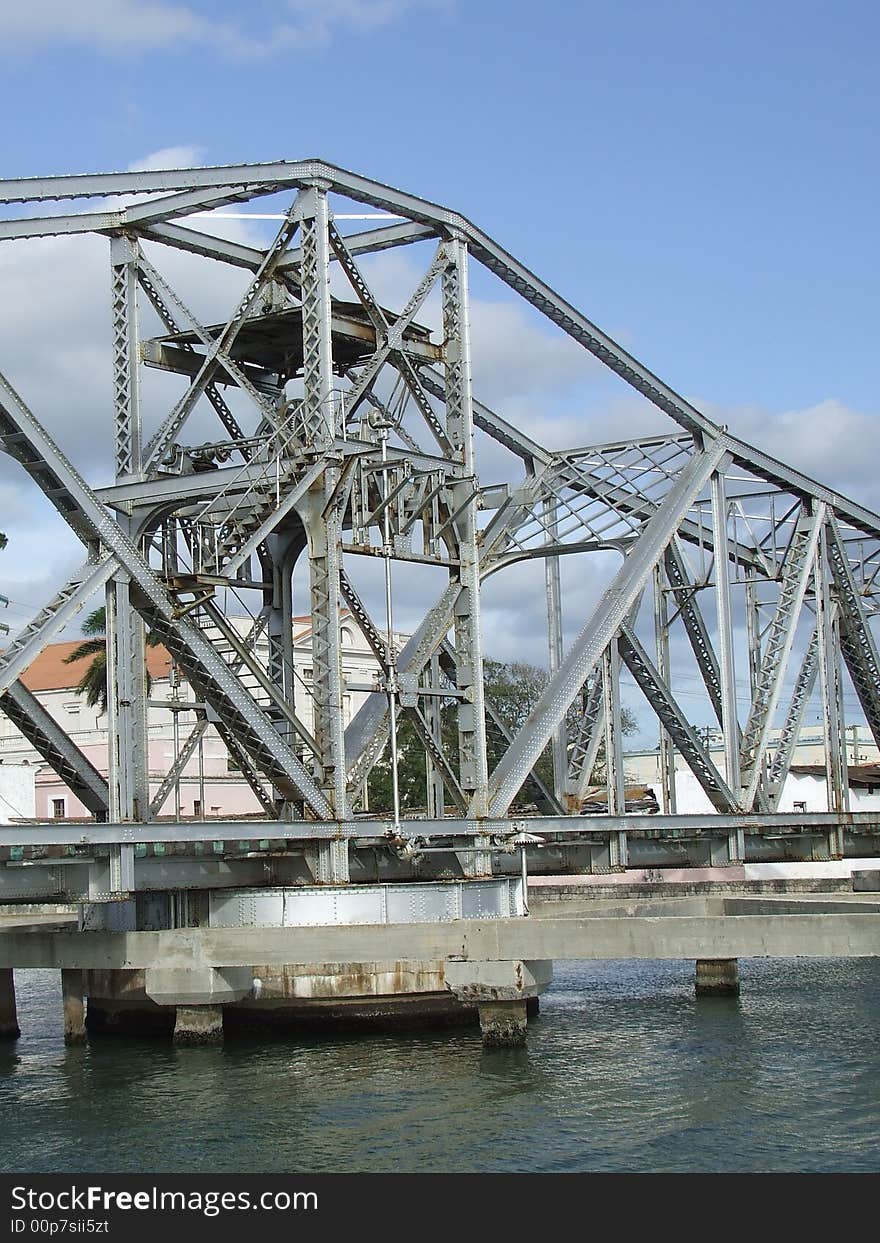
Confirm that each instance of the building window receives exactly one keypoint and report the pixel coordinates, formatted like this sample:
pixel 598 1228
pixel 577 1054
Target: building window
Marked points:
pixel 58 808
pixel 232 765
pixel 307 675
pixel 197 807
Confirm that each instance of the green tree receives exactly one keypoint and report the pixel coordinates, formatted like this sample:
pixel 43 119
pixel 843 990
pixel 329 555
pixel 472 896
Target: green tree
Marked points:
pixel 513 689
pixel 93 683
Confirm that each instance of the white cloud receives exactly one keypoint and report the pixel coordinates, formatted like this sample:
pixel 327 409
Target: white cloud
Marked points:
pixel 168 157
pixel 828 441
pixel 118 27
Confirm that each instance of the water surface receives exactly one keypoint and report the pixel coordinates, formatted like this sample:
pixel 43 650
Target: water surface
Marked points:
pixel 625 1070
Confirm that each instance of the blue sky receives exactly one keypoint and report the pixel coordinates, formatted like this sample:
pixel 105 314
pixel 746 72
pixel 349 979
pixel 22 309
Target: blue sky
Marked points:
pixel 699 179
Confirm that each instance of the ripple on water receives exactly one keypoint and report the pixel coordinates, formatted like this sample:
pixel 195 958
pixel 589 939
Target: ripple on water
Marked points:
pixel 624 1070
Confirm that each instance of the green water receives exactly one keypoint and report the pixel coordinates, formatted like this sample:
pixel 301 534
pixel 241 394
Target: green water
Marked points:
pixel 624 1071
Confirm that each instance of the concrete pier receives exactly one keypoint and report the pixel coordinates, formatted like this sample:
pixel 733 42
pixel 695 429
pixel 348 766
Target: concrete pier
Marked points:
pixel 198 1025
pixel 503 1024
pixel 502 992
pixel 716 977
pixel 9 1028
pixel 72 1000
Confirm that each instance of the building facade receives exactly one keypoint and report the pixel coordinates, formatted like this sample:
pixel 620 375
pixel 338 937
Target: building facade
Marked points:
pixel 210 785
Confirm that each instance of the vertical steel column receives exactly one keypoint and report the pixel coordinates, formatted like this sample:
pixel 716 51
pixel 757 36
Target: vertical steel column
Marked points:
pixel 553 589
pixel 729 718
pixel 836 775
pixel 323 523
pixel 753 628
pixel 434 778
pixel 473 775
pixel 126 359
pixel 614 777
pixel 753 636
pixel 317 411
pixel 664 668
pixel 126 652
pixel 126 706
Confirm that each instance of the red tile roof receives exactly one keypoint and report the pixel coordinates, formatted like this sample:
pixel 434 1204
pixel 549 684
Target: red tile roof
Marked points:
pixel 49 672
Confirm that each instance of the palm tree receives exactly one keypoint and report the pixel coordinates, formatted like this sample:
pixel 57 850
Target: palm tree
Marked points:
pixel 93 683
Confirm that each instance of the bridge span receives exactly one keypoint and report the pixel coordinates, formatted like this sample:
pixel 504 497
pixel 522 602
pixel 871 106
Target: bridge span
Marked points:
pixel 347 446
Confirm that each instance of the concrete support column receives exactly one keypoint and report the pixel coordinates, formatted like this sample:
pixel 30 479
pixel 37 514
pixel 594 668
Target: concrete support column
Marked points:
pixel 9 1028
pixel 501 991
pixel 503 1024
pixel 72 1000
pixel 716 977
pixel 198 1025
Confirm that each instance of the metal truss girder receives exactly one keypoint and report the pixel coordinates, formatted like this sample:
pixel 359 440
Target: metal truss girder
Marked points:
pixel 389 342
pixel 492 423
pixel 183 203
pixel 587 651
pixel 215 627
pixel 828 627
pixel 265 178
pixel 257 179
pixel 364 737
pixel 319 418
pixel 857 643
pixel 248 769
pixel 29 442
pixel 216 349
pixel 566 317
pixel 126 704
pixel 368 241
pixel 730 727
pixel 160 306
pixel 473 771
pixel 797 569
pixel 674 721
pixel 57 226
pixel 197 243
pixel 56 747
pixel 695 627
pixel 614 780
pixel 126 359
pixel 803 689
pixel 375 830
pixel 30 641
pixel 586 742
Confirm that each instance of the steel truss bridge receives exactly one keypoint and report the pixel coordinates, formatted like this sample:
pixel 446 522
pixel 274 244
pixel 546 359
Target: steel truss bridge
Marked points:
pixel 346 430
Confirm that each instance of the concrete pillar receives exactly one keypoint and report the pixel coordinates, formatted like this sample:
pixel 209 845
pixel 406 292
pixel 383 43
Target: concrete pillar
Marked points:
pixel 74 1006
pixel 503 1023
pixel 716 977
pixel 502 991
pixel 198 1025
pixel 9 1028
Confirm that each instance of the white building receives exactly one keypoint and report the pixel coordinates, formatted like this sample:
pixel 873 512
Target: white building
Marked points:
pixel 804 789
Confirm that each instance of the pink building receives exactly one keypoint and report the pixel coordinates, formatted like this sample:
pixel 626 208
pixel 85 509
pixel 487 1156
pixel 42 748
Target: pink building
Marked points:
pixel 210 785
